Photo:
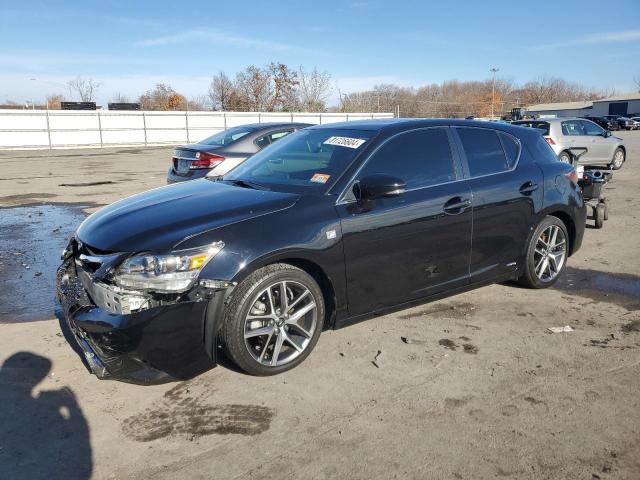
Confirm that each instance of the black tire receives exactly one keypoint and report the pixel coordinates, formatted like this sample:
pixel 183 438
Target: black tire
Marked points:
pixel 233 330
pixel 529 278
pixel 598 214
pixel 566 157
pixel 617 165
pixel 605 202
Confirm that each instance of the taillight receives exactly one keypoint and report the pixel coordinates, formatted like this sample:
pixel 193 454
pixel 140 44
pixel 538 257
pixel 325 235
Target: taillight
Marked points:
pixel 550 140
pixel 573 176
pixel 206 160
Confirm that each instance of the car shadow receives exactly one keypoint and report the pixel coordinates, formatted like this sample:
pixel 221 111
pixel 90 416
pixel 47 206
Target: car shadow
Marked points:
pixel 43 434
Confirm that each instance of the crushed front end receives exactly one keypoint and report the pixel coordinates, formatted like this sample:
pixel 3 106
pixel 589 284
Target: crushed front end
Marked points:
pixel 135 335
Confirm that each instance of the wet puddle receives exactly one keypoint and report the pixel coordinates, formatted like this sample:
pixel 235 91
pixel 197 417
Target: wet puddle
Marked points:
pixel 619 288
pixel 30 244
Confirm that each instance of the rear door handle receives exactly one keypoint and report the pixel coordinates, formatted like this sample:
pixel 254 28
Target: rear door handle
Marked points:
pixel 528 188
pixel 456 205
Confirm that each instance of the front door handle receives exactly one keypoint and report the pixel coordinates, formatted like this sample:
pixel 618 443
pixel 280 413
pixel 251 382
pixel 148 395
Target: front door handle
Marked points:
pixel 456 205
pixel 528 188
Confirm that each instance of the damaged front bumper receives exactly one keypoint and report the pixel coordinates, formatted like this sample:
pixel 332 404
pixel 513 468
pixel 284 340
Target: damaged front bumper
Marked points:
pixel 138 338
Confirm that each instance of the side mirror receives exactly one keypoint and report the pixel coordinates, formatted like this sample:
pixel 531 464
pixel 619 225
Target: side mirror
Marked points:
pixel 606 134
pixel 378 185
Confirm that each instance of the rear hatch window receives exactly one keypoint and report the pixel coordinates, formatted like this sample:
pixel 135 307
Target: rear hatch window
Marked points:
pixel 544 126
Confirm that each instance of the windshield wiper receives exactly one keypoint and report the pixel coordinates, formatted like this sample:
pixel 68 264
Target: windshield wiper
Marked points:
pixel 245 184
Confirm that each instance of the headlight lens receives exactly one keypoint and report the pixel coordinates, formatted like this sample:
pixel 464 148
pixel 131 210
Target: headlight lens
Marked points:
pixel 174 272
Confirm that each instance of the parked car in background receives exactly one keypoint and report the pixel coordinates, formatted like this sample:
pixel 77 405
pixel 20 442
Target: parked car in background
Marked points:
pixel 225 150
pixel 604 123
pixel 331 225
pixel 624 123
pixel 563 134
pixel 636 125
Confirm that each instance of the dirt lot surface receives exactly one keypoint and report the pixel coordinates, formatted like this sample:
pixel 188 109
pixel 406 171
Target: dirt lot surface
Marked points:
pixel 477 388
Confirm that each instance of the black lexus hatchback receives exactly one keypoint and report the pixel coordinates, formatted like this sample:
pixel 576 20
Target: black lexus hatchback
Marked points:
pixel 330 226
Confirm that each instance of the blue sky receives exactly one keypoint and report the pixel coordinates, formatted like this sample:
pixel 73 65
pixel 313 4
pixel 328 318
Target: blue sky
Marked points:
pixel 131 45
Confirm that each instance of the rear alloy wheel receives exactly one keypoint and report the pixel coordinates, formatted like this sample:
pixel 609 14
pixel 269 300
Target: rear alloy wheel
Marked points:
pixel 273 320
pixel 565 157
pixel 546 254
pixel 618 159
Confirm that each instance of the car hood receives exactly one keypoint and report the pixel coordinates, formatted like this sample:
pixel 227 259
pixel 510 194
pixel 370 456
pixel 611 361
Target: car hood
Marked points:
pixel 159 219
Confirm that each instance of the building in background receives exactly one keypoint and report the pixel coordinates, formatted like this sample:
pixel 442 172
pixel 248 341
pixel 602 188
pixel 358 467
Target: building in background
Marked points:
pixel 625 105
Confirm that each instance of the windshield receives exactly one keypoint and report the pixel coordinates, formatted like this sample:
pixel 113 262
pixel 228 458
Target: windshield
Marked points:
pixel 307 159
pixel 228 136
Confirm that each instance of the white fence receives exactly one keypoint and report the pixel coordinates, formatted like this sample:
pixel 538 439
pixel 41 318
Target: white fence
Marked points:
pixel 39 129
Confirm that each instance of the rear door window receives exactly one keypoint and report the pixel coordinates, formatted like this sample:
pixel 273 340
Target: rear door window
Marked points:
pixel 419 157
pixel 269 138
pixel 543 152
pixel 511 148
pixel 484 151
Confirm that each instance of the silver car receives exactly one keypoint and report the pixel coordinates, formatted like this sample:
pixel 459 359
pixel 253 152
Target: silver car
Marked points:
pixel 565 134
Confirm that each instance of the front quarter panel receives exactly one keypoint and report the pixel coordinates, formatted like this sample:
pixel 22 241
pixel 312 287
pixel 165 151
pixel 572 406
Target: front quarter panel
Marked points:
pixel 309 232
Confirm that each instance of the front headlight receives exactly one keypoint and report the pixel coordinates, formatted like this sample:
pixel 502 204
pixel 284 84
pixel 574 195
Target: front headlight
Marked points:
pixel 173 272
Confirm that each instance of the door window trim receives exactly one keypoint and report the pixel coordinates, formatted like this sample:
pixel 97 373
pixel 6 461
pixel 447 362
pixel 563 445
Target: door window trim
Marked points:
pixel 457 166
pixel 465 161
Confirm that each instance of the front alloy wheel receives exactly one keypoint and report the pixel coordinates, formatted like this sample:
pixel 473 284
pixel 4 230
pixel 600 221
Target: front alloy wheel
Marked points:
pixel 273 320
pixel 280 323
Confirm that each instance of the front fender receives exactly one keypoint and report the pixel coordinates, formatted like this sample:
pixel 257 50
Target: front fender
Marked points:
pixel 307 234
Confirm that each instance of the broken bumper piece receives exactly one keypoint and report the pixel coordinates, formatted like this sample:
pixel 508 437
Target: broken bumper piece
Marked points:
pixel 154 344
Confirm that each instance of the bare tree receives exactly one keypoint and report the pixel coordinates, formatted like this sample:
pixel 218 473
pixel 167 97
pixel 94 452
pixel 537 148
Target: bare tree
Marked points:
pixel 84 88
pixel 198 103
pixel 54 101
pixel 162 97
pixel 547 90
pixel 285 86
pixel 636 79
pixel 255 88
pixel 314 88
pixel 222 92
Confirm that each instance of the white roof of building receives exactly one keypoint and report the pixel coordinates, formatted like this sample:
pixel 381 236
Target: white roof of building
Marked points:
pixel 542 107
pixel 559 106
pixel 621 98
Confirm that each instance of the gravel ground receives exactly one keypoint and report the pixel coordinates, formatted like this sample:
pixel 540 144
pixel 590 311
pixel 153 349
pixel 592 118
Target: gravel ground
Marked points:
pixel 477 388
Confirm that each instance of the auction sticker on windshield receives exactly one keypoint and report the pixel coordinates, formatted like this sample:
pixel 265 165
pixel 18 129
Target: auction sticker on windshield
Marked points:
pixel 344 142
pixel 320 178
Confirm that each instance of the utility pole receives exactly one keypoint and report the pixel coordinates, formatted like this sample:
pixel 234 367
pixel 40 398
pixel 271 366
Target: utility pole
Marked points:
pixel 493 88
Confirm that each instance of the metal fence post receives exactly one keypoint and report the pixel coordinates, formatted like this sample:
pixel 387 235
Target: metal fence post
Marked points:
pixel 259 118
pixel 291 117
pixel 100 128
pixel 144 127
pixel 186 122
pixel 320 115
pixel 48 130
pixel 224 118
